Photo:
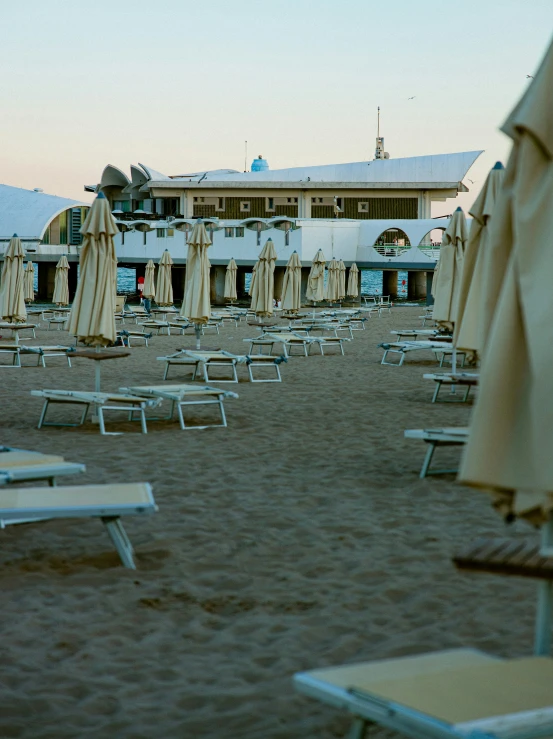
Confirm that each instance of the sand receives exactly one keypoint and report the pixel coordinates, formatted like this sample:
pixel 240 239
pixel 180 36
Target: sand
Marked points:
pixel 299 537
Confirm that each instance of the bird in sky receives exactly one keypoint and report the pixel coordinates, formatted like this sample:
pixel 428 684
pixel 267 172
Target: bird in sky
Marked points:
pixel 529 76
pixel 412 98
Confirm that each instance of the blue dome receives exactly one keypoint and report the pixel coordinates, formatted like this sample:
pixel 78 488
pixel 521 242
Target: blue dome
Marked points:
pixel 260 164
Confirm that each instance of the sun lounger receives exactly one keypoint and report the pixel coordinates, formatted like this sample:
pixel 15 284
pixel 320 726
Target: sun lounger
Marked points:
pixel 107 502
pixel 43 352
pixel 435 438
pixel 126 337
pixel 402 347
pixel 459 378
pixel 17 328
pixel 100 401
pixel 159 326
pixel 291 339
pixel 205 359
pixel 455 694
pixel 14 351
pixel 24 466
pixel 412 333
pixel 184 395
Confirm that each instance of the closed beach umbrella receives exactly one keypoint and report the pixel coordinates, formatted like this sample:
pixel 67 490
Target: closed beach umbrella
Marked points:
pixel 230 281
pixel 252 281
pixel 341 280
pixel 149 291
pixel 12 299
pixel 509 446
pixel 448 278
pixel 92 317
pixel 316 280
pixel 473 283
pixel 29 283
pixel 61 282
pixel 332 286
pixel 291 285
pixel 353 281
pixel 196 305
pixel 264 287
pixel 164 288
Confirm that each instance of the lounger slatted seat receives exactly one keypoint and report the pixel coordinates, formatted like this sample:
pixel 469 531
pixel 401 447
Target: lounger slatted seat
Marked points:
pixel 412 333
pixel 463 379
pixel 520 557
pixel 434 438
pixel 23 466
pixel 457 694
pixel 447 352
pixel 291 339
pixel 403 347
pixel 185 395
pixel 17 328
pixel 107 502
pixel 14 351
pixel 127 336
pixel 43 352
pixel 100 401
pixel 159 326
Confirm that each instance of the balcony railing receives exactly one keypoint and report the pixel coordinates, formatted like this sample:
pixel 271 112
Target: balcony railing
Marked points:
pixel 393 250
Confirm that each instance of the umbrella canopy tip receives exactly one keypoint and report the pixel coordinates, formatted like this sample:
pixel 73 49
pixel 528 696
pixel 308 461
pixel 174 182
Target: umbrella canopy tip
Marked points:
pixel 14 236
pixel 101 195
pixel 498 165
pixel 458 209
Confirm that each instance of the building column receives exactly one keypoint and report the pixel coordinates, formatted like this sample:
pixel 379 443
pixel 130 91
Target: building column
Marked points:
pixel 389 283
pixel 416 285
pixel 304 205
pixel 217 284
pixel 189 204
pixel 46 279
pixel 278 280
pixel 429 296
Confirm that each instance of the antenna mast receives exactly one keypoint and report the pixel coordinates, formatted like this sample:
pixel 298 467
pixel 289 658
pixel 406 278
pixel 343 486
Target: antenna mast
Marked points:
pixel 379 152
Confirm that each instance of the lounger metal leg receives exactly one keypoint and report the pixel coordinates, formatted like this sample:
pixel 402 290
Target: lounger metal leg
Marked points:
pixel 467 394
pixel 358 729
pixel 166 371
pixel 436 392
pixel 143 421
pixel 43 414
pixel 206 375
pixel 222 409
pixel 427 459
pixel 120 541
pixel 100 414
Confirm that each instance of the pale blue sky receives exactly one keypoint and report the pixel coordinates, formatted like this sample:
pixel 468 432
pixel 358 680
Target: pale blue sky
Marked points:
pixel 179 84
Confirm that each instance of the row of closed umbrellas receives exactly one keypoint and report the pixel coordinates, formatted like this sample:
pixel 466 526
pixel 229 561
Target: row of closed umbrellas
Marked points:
pixel 493 289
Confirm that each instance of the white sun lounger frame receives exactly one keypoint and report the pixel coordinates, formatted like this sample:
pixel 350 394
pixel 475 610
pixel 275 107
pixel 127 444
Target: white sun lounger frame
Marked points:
pixel 460 378
pixel 402 347
pixel 94 506
pixel 435 438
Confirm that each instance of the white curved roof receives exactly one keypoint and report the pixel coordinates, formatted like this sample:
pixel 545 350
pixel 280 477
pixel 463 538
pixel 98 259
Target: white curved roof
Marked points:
pixel 27 213
pixel 435 168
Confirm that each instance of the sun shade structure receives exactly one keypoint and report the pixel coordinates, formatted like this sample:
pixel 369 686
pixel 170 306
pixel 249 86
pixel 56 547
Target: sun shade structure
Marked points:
pixel 509 446
pixel 164 287
pixel 230 281
pixel 353 281
pixel 332 286
pixel 473 290
pixel 341 280
pixel 263 289
pixel 316 279
pixel 12 299
pixel 291 285
pixel 29 283
pixel 92 317
pixel 61 282
pixel 448 277
pixel 149 281
pixel 196 305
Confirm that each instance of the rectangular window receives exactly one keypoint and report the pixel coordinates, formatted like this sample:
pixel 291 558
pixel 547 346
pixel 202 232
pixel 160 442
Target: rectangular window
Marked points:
pixel 239 232
pixel 220 204
pixel 229 233
pixel 199 200
pixel 170 233
pixel 244 206
pixel 338 202
pixel 317 201
pixel 292 201
pixel 269 203
pixel 160 233
pixel 363 207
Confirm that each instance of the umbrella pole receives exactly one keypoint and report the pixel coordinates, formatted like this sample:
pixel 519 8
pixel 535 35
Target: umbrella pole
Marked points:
pixel 198 332
pixel 542 638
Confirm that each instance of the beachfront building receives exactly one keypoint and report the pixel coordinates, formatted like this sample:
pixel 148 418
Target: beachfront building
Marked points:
pixel 378 189
pixel 48 227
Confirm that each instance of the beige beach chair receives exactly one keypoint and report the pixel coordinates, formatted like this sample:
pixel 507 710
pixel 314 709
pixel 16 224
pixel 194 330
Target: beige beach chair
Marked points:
pixel 107 502
pixel 100 401
pixel 435 438
pixel 181 396
pixel 455 694
pixel 19 465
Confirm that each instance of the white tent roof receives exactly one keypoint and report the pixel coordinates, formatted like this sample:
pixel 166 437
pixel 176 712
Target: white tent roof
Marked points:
pixel 27 213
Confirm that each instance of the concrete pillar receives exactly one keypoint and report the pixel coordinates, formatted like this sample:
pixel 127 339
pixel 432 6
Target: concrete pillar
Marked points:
pixel 178 275
pixel 416 285
pixel 46 279
pixel 389 283
pixel 241 283
pixel 279 279
pixel 72 278
pixel 304 275
pixel 217 284
pixel 429 296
